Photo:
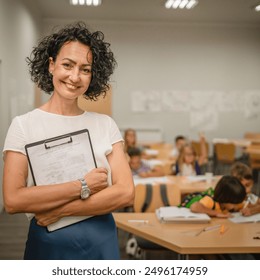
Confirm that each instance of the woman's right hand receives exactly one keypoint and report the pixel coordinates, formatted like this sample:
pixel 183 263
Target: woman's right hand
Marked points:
pixel 97 179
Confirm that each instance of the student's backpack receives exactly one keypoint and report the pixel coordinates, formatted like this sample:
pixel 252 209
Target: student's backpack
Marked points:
pixel 196 196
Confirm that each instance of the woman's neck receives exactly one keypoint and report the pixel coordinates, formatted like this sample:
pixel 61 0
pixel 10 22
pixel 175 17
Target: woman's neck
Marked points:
pixel 62 107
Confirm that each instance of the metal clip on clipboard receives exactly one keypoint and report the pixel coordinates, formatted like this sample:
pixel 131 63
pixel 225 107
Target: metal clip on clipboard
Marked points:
pixel 60 141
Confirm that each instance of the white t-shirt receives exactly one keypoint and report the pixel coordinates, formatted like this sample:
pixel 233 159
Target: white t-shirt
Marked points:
pixel 38 125
pixel 187 170
pixel 174 152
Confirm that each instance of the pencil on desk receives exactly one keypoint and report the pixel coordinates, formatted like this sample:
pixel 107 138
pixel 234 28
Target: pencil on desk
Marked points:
pixel 139 221
pixel 207 229
pixel 223 229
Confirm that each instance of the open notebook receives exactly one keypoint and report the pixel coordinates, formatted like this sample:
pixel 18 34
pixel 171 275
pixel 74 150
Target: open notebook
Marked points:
pixel 176 214
pixel 238 218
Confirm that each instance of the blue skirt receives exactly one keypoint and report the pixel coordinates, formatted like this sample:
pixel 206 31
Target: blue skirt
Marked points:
pixel 91 239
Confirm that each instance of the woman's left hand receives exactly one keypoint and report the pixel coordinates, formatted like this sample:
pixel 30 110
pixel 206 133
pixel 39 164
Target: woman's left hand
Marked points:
pixel 46 218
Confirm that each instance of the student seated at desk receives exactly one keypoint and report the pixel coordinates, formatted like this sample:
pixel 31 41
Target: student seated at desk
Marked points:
pixel 130 139
pixel 180 141
pixel 139 167
pixel 228 194
pixel 188 163
pixel 244 173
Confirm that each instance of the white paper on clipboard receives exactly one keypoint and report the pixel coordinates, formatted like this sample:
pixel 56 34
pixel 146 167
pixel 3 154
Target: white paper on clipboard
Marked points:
pixel 61 159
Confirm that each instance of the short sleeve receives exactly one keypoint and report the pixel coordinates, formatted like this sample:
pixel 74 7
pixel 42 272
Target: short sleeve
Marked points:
pixel 115 134
pixel 15 138
pixel 207 201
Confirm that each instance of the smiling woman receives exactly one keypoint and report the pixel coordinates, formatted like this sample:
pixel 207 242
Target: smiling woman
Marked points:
pixel 70 63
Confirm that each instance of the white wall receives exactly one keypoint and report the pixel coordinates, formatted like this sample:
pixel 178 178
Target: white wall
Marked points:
pixel 19 30
pixel 184 57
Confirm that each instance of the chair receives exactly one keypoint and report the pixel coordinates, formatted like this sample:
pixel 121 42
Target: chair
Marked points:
pixel 168 168
pixel 252 135
pixel 224 157
pixel 197 147
pixel 150 197
pixel 170 197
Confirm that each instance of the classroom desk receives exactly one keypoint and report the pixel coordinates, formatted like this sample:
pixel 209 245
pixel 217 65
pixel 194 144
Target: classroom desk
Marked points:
pixel 193 183
pixel 252 150
pixel 181 238
pixel 242 143
pixel 184 183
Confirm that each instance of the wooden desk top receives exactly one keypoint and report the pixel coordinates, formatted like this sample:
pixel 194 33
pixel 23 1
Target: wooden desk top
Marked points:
pixel 243 142
pixel 189 185
pixel 253 150
pixel 181 237
pixel 184 183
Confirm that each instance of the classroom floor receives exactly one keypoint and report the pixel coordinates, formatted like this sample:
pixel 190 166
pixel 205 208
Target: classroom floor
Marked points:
pixel 13 232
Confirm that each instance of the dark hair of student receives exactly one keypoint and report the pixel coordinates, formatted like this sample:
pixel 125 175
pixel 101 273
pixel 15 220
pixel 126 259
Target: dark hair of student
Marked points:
pixel 179 137
pixel 241 171
pixel 103 59
pixel 229 190
pixel 134 151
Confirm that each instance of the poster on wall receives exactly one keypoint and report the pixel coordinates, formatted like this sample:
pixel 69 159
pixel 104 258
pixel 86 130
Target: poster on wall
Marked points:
pixel 252 104
pixel 203 113
pixel 200 100
pixel 204 120
pixel 231 101
pixel 176 101
pixel 146 101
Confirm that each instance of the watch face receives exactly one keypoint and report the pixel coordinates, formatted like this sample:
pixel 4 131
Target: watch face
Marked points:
pixel 85 192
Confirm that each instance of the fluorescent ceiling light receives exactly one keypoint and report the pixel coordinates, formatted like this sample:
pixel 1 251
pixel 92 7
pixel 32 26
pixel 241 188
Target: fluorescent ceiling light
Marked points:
pixel 181 4
pixel 191 4
pixel 86 2
pixel 176 4
pixel 168 4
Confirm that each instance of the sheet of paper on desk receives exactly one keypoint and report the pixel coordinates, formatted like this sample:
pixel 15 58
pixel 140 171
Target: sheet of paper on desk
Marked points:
pixel 238 218
pixel 151 152
pixel 180 215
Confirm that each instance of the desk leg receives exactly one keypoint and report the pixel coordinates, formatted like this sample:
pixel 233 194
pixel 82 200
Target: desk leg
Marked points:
pixel 183 256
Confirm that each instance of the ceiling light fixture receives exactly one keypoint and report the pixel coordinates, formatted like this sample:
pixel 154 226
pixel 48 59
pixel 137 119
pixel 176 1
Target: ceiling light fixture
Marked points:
pixel 257 8
pixel 181 4
pixel 85 2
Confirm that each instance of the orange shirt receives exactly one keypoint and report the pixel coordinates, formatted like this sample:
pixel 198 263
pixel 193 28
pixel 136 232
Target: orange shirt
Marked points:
pixel 208 202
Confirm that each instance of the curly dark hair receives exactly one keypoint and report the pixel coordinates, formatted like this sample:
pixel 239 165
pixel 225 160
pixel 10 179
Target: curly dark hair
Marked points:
pixel 103 59
pixel 229 190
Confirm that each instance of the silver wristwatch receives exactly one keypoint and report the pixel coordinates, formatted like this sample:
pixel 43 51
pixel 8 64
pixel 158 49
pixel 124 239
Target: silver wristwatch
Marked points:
pixel 85 190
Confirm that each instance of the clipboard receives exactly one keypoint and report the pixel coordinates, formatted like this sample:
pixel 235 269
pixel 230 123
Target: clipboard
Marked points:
pixel 61 159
